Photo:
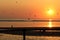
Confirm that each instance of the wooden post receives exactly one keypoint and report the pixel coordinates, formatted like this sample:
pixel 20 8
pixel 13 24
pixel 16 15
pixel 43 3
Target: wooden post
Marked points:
pixel 24 35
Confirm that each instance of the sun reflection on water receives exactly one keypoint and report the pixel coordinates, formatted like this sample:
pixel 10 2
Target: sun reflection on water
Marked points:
pixel 50 23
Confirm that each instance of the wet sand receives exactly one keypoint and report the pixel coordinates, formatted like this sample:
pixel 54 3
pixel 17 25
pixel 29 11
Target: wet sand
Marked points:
pixel 20 37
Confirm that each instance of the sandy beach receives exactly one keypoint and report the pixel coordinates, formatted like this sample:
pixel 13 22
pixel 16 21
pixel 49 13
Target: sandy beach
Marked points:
pixel 20 37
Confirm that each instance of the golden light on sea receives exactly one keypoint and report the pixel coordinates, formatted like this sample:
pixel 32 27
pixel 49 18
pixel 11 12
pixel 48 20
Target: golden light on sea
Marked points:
pixel 50 23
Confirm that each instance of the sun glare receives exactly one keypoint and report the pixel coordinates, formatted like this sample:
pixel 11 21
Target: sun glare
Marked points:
pixel 50 11
pixel 50 23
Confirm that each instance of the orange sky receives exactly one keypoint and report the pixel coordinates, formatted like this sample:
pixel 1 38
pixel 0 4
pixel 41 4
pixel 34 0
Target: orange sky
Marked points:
pixel 10 9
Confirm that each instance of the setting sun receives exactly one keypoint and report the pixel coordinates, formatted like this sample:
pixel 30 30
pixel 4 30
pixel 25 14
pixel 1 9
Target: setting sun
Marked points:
pixel 50 11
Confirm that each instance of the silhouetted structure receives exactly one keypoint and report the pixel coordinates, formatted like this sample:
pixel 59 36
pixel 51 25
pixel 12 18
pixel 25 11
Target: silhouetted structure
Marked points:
pixel 11 26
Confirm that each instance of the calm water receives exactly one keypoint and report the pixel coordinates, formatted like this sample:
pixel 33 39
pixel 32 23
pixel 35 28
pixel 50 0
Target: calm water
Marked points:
pixel 30 24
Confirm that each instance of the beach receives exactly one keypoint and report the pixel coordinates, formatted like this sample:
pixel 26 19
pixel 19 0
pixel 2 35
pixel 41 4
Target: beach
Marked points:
pixel 20 37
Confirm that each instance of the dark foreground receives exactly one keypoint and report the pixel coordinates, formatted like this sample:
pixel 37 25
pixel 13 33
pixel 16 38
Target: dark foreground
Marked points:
pixel 32 33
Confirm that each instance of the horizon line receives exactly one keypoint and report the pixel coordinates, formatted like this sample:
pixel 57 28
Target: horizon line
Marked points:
pixel 29 20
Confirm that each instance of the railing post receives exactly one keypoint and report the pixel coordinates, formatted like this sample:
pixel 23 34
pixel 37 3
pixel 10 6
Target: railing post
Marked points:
pixel 44 30
pixel 24 35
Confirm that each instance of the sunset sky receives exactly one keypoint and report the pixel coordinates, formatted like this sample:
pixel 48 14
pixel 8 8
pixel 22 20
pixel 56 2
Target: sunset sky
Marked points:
pixel 17 9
